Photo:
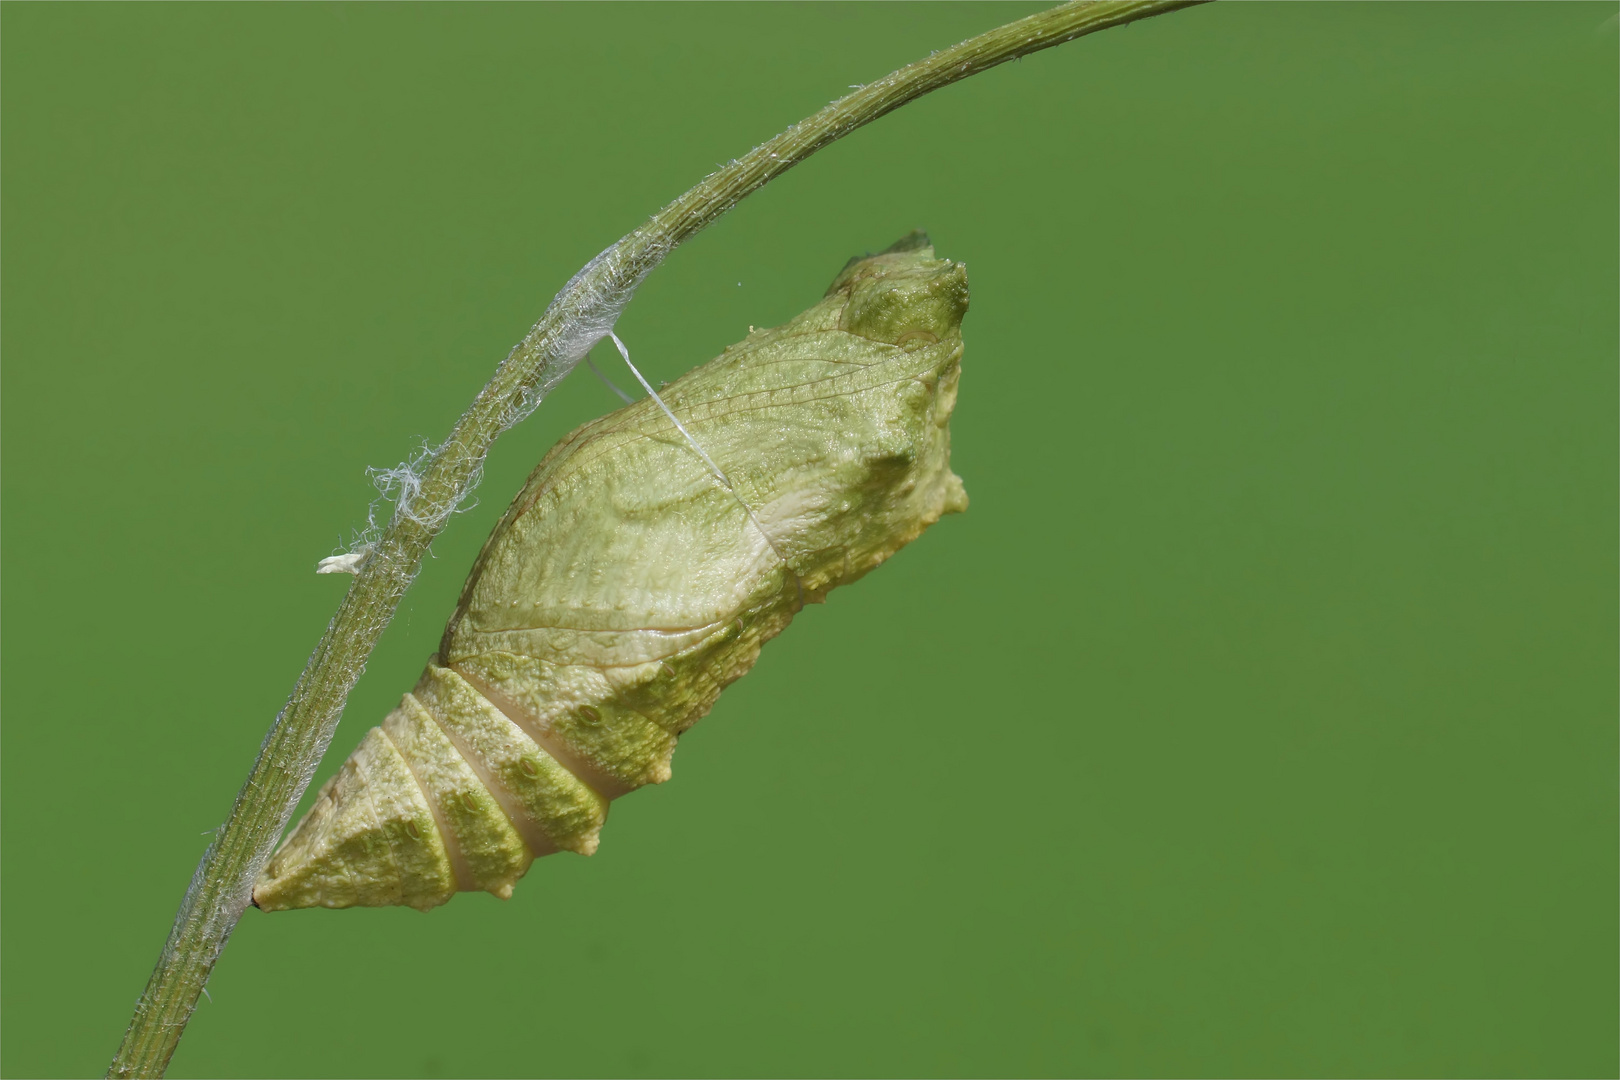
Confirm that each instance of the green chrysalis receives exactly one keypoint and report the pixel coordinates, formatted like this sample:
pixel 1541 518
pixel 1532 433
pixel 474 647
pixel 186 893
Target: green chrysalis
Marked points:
pixel 628 584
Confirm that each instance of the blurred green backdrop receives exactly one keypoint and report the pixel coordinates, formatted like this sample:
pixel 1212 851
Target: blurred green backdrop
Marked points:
pixel 1286 605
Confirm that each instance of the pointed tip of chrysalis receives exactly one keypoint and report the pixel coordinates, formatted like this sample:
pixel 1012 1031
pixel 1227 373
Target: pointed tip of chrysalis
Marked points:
pixel 369 841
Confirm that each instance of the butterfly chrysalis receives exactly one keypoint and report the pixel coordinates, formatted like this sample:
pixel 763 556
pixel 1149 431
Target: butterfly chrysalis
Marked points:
pixel 629 583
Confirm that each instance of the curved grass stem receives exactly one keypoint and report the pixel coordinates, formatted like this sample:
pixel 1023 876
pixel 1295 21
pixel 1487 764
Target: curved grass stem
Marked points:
pixel 581 314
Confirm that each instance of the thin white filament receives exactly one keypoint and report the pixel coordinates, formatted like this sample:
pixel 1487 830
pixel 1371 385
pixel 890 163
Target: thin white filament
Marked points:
pixel 609 383
pixel 707 460
pixel 624 352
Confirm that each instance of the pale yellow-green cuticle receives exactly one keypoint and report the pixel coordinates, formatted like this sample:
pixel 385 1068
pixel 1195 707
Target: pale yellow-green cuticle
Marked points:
pixel 627 586
pixel 484 847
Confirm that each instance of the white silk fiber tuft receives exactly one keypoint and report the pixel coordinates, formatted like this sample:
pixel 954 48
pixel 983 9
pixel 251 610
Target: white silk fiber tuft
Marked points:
pixel 582 313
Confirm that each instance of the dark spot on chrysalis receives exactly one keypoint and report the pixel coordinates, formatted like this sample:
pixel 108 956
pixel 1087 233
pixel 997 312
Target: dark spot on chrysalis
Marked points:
pixel 589 715
pixel 529 768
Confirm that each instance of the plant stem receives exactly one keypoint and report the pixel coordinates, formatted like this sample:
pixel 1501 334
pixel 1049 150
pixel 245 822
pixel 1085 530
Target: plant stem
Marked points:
pixel 581 314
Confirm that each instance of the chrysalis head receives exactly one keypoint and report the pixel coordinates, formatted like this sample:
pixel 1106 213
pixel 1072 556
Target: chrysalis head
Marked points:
pixel 903 296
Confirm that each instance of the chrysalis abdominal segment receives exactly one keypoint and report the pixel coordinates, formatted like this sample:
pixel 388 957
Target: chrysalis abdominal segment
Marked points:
pixel 632 580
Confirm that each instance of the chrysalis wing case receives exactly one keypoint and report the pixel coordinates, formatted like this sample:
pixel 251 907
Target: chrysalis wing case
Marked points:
pixel 627 585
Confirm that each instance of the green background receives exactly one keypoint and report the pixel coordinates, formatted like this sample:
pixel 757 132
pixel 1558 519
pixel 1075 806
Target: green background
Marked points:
pixel 1285 612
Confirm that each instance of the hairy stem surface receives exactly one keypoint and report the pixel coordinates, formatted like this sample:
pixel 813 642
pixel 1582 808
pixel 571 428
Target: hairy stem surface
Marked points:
pixel 580 315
